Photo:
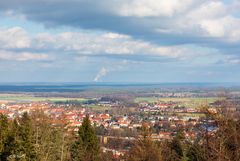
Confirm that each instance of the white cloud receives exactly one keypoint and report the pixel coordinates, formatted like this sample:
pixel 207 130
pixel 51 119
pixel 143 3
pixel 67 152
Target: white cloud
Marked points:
pixel 185 17
pixel 147 19
pixel 85 43
pixel 146 8
pixel 232 61
pixel 103 72
pixel 226 28
pixel 208 10
pixel 114 36
pixel 211 19
pixel 22 56
pixel 203 18
pixel 14 37
pixel 235 61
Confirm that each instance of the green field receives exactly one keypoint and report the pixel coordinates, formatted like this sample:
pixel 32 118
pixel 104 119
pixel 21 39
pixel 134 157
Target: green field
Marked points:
pixel 189 102
pixel 32 98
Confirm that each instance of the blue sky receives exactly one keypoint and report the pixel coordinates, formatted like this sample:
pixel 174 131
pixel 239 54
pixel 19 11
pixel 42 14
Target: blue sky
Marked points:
pixel 120 41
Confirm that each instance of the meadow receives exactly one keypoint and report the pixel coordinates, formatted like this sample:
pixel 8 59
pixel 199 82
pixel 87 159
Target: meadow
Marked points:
pixel 32 98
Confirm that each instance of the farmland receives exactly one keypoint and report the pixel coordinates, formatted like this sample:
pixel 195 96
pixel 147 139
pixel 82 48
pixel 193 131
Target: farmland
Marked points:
pixel 32 98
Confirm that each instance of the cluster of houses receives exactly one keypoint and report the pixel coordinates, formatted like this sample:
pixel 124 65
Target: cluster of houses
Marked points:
pixel 165 118
pixel 169 117
pixel 13 110
pixel 73 117
pixel 168 107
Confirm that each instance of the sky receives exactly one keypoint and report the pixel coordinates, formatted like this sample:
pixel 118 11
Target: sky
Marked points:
pixel 120 41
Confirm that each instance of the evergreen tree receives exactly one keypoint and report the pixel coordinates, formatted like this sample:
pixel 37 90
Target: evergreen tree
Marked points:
pixel 195 152
pixel 12 145
pixel 145 149
pixel 19 144
pixel 26 137
pixel 4 132
pixel 179 145
pixel 86 147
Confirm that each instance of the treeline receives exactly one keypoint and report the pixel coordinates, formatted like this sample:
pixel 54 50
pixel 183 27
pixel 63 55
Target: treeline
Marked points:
pixel 35 137
pixel 31 138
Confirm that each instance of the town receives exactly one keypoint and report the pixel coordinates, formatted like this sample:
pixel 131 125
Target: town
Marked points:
pixel 118 123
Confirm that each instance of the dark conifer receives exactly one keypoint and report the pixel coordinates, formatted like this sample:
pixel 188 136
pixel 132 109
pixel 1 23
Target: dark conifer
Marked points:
pixel 86 148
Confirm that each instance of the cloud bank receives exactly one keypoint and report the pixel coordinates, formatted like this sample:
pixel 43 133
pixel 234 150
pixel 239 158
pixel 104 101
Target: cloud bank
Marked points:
pixel 186 33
